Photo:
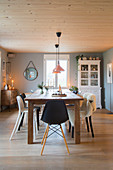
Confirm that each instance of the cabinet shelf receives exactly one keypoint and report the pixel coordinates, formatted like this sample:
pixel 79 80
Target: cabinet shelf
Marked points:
pixel 94 78
pixel 84 71
pixel 94 71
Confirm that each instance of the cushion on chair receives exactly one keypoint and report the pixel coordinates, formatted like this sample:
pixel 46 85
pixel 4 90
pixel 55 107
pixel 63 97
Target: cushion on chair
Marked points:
pixel 91 103
pixel 88 106
pixel 71 112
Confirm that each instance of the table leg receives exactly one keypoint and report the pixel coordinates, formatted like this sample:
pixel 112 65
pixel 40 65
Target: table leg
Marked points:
pixel 30 122
pixel 77 122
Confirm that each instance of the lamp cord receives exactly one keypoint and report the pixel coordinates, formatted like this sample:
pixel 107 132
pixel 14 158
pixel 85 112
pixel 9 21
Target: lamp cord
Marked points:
pixel 58 50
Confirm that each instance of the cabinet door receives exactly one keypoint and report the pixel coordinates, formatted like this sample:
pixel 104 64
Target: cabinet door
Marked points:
pixel 84 76
pixel 94 71
pixel 5 96
pixel 13 96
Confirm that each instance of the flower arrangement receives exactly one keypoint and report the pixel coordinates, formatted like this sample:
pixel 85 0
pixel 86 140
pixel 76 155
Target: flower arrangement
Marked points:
pixel 42 86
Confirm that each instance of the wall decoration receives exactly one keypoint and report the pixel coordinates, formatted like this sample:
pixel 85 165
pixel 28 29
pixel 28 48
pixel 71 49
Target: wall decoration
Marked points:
pixel 109 73
pixel 3 65
pixel 30 73
pixel 8 68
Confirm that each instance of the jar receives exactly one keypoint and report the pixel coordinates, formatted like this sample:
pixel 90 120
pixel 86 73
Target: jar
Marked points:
pixel 97 58
pixel 90 58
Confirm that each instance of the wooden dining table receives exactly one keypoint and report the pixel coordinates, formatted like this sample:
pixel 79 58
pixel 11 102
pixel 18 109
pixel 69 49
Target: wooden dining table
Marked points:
pixel 38 99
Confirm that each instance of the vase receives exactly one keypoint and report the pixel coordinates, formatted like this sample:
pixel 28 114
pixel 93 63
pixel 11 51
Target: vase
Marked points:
pixel 42 91
pixel 6 87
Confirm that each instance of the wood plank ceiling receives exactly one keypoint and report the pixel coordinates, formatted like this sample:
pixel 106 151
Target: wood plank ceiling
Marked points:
pixel 31 25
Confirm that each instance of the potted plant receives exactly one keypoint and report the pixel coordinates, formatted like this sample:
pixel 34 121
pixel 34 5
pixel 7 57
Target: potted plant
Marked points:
pixel 79 57
pixel 74 89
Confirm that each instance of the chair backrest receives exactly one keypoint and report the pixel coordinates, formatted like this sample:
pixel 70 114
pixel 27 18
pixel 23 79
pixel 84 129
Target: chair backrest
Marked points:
pixel 23 96
pixel 55 112
pixel 20 103
pixel 89 104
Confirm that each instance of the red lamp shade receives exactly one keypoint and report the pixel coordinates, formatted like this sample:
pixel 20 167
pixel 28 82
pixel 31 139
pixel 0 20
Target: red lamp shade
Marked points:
pixel 56 71
pixel 59 68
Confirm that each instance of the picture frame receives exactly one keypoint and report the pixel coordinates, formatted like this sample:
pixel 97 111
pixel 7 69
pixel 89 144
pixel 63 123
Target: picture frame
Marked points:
pixel 109 73
pixel 3 65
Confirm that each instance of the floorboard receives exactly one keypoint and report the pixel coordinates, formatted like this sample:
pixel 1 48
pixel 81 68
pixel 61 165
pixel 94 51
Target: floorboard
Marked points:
pixel 93 153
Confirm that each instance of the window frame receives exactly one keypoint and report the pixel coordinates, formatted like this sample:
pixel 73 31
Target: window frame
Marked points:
pixel 53 57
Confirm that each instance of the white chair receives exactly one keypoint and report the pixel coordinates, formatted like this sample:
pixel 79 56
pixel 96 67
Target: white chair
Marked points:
pixel 87 107
pixel 38 107
pixel 22 110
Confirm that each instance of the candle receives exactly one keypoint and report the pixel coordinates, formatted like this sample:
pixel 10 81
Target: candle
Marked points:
pixel 48 82
pixel 53 82
pixel 12 83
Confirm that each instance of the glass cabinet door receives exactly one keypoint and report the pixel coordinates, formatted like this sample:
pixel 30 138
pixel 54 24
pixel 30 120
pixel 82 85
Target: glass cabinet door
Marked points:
pixel 84 82
pixel 84 67
pixel 89 74
pixel 94 67
pixel 94 75
pixel 84 75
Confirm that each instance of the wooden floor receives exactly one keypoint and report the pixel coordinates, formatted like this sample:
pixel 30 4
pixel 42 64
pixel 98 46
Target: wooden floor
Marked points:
pixel 91 154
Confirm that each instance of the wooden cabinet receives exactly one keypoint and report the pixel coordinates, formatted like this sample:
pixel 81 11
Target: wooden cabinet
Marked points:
pixel 89 78
pixel 8 97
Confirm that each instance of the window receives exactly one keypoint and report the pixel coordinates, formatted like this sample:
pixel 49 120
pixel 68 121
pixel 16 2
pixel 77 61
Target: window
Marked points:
pixel 54 80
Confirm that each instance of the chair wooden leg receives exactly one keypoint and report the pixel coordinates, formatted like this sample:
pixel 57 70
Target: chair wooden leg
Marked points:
pixel 45 140
pixel 91 126
pixel 44 135
pixel 64 139
pixel 69 126
pixel 87 124
pixel 72 131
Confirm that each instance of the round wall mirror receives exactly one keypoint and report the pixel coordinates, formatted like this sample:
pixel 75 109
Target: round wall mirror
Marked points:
pixel 30 73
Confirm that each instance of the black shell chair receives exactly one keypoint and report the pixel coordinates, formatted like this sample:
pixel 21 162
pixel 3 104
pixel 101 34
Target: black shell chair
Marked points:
pixel 55 113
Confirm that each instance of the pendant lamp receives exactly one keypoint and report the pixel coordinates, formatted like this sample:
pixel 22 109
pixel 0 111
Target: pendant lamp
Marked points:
pixel 58 68
pixel 54 70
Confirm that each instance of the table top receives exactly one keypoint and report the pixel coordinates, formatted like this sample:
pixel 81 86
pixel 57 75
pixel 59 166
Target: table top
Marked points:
pixel 48 96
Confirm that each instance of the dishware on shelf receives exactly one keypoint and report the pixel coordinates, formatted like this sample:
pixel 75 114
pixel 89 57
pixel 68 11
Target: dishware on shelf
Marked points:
pixel 90 58
pixel 84 58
